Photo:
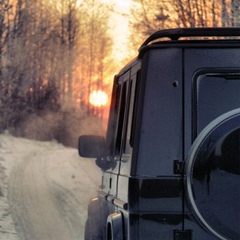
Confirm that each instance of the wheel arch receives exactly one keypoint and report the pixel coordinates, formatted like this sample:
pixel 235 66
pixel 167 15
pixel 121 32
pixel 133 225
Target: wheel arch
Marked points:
pixel 115 226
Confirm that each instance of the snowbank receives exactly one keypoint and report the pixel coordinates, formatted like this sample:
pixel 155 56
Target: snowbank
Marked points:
pixel 78 179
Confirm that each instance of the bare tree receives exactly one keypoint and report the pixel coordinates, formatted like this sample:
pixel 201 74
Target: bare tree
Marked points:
pixel 5 8
pixel 153 15
pixel 97 48
pixel 69 29
pixel 83 30
pixel 24 80
pixel 230 13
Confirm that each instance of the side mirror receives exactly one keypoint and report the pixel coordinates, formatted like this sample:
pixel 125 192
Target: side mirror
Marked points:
pixel 91 146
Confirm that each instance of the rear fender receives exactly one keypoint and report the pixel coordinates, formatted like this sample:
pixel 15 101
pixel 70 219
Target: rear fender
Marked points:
pixel 115 226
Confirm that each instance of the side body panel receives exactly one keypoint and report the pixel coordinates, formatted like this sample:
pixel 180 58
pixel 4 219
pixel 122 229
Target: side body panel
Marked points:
pixel 154 125
pixel 160 134
pixel 152 190
pixel 158 205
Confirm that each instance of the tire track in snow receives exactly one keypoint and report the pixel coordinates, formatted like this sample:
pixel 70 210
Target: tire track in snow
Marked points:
pixel 46 190
pixel 33 205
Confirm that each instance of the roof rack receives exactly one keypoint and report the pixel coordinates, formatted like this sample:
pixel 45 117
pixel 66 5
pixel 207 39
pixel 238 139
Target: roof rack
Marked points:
pixel 176 33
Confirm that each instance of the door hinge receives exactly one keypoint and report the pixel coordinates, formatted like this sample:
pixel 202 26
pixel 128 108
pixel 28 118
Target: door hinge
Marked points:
pixel 182 234
pixel 178 167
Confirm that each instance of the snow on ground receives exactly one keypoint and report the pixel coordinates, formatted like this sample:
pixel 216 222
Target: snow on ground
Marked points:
pixel 44 190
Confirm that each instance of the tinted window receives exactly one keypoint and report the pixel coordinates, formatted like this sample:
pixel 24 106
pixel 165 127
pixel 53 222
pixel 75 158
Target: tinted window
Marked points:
pixel 130 118
pixel 120 120
pixel 111 135
pixel 216 93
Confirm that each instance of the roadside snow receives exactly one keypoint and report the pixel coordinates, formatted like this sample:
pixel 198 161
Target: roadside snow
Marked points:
pixel 43 184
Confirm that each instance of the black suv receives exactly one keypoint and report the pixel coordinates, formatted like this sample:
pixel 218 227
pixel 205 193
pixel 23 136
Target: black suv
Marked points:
pixel 171 156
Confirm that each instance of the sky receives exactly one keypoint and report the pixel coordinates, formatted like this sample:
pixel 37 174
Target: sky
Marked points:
pixel 119 23
pixel 120 30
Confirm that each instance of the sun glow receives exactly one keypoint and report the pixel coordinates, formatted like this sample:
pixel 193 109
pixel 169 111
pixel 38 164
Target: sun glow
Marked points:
pixel 98 98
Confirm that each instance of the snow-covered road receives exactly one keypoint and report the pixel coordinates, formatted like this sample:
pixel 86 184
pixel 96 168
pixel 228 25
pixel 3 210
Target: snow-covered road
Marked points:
pixel 45 190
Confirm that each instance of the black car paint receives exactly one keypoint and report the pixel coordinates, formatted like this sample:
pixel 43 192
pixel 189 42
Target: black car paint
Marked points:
pixel 145 180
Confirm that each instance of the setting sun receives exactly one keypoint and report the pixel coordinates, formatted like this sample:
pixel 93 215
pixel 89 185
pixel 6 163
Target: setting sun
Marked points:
pixel 98 98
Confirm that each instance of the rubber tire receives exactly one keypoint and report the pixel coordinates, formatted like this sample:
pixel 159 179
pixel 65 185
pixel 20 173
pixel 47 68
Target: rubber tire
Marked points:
pixel 91 233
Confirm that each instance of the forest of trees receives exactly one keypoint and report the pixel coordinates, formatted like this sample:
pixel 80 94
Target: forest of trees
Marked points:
pixel 53 53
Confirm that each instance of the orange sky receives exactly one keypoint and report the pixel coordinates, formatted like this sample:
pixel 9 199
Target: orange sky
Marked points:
pixel 119 25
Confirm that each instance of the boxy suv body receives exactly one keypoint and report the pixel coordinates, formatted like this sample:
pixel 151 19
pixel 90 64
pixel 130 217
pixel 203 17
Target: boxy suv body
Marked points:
pixel 171 156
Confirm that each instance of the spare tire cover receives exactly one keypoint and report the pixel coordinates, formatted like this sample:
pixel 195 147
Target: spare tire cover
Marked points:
pixel 213 176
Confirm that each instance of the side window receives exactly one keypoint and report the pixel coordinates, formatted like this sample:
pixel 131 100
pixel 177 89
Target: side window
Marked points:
pixel 122 115
pixel 215 94
pixel 128 126
pixel 128 143
pixel 134 99
pixel 112 123
pixel 120 118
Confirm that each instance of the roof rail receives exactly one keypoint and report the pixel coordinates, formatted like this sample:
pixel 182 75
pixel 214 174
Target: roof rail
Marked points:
pixel 176 33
